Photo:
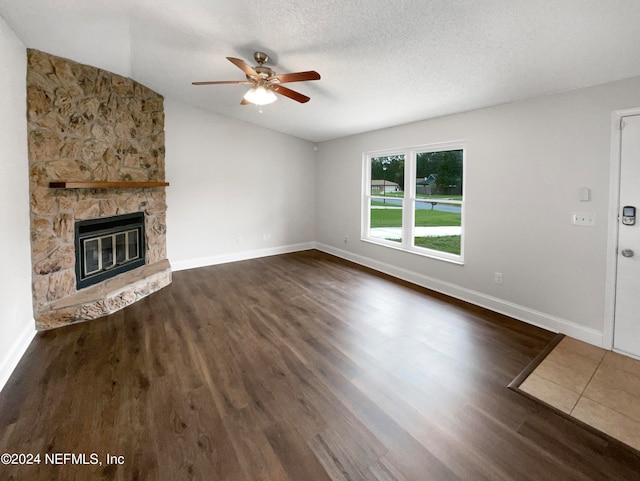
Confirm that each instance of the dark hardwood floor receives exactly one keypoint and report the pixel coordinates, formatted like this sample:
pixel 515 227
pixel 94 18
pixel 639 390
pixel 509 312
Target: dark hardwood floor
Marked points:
pixel 299 367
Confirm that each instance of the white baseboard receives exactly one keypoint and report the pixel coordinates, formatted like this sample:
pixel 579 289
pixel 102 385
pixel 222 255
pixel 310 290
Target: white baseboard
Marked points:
pixel 522 313
pixel 12 358
pixel 239 256
pixel 525 314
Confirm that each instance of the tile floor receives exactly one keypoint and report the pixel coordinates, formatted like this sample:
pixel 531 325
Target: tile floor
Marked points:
pixel 600 388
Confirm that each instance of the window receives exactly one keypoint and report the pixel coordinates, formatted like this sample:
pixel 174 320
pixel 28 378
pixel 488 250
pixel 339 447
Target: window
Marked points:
pixel 414 200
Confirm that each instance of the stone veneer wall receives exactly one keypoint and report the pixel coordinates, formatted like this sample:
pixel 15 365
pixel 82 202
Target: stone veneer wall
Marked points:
pixel 87 124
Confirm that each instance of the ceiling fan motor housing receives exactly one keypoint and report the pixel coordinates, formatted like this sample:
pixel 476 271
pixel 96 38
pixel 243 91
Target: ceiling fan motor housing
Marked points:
pixel 264 72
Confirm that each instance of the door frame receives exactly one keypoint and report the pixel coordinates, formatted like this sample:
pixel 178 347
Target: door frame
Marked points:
pixel 613 225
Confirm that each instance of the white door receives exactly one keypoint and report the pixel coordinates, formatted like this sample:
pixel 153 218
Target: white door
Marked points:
pixel 626 337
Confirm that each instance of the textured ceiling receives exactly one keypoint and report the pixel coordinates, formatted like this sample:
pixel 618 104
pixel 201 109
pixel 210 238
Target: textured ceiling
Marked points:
pixel 383 62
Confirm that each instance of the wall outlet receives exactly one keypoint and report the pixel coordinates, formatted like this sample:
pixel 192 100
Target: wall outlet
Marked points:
pixel 497 277
pixel 240 239
pixel 346 239
pixel 584 218
pixel 266 237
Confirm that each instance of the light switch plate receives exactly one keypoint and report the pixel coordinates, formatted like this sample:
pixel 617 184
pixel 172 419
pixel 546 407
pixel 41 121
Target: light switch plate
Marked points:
pixel 584 194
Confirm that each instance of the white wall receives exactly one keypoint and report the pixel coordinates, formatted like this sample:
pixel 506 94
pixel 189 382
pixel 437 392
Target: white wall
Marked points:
pixel 16 317
pixel 525 164
pixel 229 180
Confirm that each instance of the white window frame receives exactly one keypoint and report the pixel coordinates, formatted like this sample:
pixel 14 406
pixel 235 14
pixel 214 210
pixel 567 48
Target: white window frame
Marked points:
pixel 409 200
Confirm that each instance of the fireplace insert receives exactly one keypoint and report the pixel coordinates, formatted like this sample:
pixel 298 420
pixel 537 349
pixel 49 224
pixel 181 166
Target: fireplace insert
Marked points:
pixel 108 246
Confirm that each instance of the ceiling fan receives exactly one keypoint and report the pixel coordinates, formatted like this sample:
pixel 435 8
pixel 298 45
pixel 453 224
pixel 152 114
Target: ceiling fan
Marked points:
pixel 265 82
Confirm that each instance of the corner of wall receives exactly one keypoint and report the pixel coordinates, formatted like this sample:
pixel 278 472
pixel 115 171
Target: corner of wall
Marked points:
pixel 17 326
pixel 15 353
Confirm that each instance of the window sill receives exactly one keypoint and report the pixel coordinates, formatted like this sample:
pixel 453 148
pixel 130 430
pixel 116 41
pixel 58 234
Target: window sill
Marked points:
pixel 422 252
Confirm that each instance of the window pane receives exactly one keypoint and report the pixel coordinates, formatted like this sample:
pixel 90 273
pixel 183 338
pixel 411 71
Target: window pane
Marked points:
pixel 387 176
pixel 386 219
pixel 439 175
pixel 133 244
pixel 107 252
pixel 121 247
pixel 438 226
pixel 387 183
pixel 91 253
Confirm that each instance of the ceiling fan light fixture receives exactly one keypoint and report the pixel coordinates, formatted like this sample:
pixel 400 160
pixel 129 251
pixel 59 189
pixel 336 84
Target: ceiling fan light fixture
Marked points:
pixel 260 96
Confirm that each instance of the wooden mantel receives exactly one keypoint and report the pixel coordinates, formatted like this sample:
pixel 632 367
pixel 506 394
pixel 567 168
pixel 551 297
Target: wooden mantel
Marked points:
pixel 105 185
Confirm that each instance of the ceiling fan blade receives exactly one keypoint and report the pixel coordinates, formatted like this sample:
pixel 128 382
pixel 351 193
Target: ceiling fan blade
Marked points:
pixel 244 101
pixel 224 82
pixel 298 76
pixel 244 66
pixel 292 94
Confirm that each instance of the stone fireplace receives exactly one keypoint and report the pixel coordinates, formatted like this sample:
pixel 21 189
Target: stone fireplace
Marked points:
pixel 96 160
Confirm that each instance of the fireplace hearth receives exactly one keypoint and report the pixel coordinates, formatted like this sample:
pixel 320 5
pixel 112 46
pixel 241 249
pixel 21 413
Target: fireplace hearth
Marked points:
pixel 107 247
